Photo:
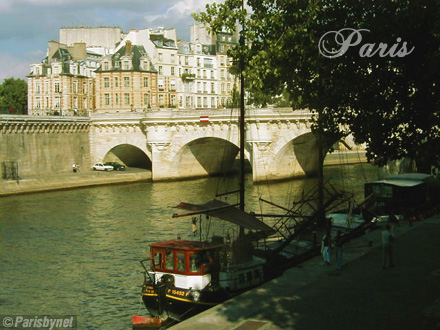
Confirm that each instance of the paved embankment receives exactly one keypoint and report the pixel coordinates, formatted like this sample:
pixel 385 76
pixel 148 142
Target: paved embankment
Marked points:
pixel 84 178
pixel 361 296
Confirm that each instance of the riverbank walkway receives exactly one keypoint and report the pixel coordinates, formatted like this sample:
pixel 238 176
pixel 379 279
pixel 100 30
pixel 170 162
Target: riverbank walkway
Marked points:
pixel 83 178
pixel 361 296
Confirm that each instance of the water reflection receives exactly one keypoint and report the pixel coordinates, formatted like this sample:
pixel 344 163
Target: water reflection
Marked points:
pixel 77 252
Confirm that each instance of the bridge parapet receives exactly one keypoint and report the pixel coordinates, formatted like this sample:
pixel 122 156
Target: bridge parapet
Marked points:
pixel 46 124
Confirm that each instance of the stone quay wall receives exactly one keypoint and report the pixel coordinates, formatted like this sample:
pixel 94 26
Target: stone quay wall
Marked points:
pixel 44 145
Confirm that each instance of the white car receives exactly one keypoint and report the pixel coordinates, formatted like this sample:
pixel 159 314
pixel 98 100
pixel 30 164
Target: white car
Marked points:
pixel 102 167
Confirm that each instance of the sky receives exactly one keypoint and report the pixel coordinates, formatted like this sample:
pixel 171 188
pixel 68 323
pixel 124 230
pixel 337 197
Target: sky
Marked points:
pixel 27 25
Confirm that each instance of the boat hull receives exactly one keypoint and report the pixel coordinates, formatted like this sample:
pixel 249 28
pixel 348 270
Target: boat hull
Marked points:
pixel 180 304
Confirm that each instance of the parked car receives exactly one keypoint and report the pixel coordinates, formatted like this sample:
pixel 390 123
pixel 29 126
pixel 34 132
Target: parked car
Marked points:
pixel 116 166
pixel 102 167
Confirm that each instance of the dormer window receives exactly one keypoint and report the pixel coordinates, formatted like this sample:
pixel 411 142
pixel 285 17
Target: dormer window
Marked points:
pixel 106 65
pixel 125 65
pixel 145 65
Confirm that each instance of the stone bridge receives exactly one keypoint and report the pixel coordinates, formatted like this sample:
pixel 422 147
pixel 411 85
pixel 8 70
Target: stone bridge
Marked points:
pixel 172 144
pixel 179 144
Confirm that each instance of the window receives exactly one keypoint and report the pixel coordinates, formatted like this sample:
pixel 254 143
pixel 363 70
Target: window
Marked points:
pixel 146 99
pixel 198 61
pixel 106 99
pixel 181 264
pixel 173 100
pixel 169 261
pixel 145 81
pixel 212 74
pixel 127 99
pixel 57 87
pixel 208 63
pixel 160 69
pixel 212 88
pixel 116 81
pixel 194 263
pixel 222 74
pixel 126 81
pixel 186 60
pixel 161 100
pixel 47 87
pixel 117 99
pixel 160 83
pixel 157 260
pixel 125 65
pixel 106 82
pixel 199 102
pixel 160 57
pixel 37 87
pixel 172 70
pixel 106 65
pixel 205 88
pixel 145 65
pixel 38 103
pixel 173 58
pixel 205 102
pixel 173 85
pixel 57 102
pixel 228 87
pixel 212 102
pixel 222 88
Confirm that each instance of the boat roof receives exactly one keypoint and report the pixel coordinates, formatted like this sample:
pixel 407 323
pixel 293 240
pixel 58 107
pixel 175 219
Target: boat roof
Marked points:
pixel 224 211
pixel 397 183
pixel 409 176
pixel 186 245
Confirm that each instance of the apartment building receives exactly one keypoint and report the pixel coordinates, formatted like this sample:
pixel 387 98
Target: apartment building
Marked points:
pixel 126 81
pixel 62 84
pixel 148 68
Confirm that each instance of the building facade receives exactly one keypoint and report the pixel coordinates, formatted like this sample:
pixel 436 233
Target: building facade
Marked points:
pixel 143 69
pixel 63 83
pixel 126 81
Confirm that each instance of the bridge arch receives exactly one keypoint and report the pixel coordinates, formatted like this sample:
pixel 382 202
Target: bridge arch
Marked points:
pixel 206 156
pixel 129 155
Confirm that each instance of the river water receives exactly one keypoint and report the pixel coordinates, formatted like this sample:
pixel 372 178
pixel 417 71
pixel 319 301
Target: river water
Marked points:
pixel 77 252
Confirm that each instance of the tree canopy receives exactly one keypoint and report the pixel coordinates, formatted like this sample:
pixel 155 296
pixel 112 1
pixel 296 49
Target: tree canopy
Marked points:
pixel 13 96
pixel 369 68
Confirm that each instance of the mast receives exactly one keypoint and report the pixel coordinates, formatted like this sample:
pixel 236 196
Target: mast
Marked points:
pixel 241 120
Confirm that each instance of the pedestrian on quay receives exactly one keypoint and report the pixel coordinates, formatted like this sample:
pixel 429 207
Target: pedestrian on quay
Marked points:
pixel 74 168
pixel 338 247
pixel 325 247
pixel 392 220
pixel 387 245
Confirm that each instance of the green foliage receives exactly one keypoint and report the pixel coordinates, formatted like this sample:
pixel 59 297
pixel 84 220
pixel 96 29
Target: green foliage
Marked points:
pixel 389 103
pixel 13 96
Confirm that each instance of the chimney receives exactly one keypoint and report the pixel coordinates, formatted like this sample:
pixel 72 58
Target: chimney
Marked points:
pixel 127 47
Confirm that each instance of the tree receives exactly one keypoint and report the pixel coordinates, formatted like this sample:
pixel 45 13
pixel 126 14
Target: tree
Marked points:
pixel 13 96
pixel 384 89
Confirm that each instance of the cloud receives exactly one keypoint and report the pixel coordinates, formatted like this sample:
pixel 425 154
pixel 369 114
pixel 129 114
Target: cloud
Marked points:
pixel 181 10
pixel 11 66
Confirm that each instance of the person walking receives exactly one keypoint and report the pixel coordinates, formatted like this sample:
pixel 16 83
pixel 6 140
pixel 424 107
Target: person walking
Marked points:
pixel 387 245
pixel 338 246
pixel 392 220
pixel 325 247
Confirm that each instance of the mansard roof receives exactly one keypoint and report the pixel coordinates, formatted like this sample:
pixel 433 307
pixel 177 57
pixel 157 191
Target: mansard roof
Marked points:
pixel 135 53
